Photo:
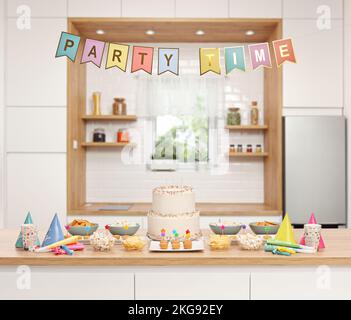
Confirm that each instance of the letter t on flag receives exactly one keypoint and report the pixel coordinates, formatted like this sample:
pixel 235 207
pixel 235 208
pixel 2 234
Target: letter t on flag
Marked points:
pixel 234 59
pixel 210 60
pixel 168 60
pixel 68 46
pixel 260 55
pixel 284 51
pixel 142 59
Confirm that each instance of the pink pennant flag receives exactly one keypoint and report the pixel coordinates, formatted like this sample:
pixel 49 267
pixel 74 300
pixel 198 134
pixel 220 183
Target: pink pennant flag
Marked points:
pixel 142 59
pixel 260 55
pixel 321 241
pixel 93 52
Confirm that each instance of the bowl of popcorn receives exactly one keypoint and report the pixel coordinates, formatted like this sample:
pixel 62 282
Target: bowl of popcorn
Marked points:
pixel 250 241
pixel 102 240
pixel 225 228
pixel 123 228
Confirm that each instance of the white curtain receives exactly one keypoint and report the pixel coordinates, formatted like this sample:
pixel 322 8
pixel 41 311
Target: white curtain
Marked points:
pixel 161 95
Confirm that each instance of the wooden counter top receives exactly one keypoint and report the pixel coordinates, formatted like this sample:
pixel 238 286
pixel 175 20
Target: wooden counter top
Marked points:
pixel 338 252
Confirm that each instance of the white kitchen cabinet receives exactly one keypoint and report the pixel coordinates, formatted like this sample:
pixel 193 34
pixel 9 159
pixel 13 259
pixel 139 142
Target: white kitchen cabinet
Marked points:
pixel 297 283
pixel 202 9
pixel 316 80
pixel 94 8
pixel 36 129
pixel 36 183
pixel 255 9
pixel 66 283
pixel 150 8
pixel 38 8
pixel 34 76
pixel 188 285
pixel 307 9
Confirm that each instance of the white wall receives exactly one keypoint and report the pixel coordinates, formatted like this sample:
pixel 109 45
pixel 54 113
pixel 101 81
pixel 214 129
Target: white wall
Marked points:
pixel 2 106
pixel 347 93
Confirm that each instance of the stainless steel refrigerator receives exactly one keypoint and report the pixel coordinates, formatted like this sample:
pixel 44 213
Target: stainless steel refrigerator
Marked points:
pixel 315 169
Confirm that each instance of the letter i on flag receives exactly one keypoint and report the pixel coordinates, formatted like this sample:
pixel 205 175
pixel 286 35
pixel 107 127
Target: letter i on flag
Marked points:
pixel 68 46
pixel 284 51
pixel 117 56
pixel 142 59
pixel 209 60
pixel 93 52
pixel 168 60
pixel 234 59
pixel 260 55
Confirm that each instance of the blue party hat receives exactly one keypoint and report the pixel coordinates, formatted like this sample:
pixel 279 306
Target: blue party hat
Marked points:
pixel 19 242
pixel 54 233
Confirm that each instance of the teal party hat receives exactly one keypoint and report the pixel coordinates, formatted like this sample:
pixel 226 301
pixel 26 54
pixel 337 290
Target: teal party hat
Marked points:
pixel 54 233
pixel 19 242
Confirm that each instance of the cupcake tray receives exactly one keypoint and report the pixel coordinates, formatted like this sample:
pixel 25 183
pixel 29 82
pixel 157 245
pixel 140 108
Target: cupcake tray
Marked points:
pixel 198 245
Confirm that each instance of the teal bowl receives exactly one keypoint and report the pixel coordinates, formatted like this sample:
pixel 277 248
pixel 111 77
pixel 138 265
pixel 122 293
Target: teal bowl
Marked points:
pixel 264 230
pixel 82 231
pixel 121 231
pixel 228 230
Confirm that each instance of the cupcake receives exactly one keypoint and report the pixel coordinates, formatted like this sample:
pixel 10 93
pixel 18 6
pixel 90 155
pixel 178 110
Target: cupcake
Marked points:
pixel 164 244
pixel 188 244
pixel 176 244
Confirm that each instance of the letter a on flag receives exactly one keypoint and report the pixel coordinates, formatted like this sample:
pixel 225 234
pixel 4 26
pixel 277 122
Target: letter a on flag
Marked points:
pixel 93 52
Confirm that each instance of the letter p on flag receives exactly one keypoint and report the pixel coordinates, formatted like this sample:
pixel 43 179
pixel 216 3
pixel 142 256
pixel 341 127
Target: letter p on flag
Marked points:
pixel 68 46
pixel 284 51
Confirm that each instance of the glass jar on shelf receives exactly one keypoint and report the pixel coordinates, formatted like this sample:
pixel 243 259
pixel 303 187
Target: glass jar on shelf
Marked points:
pixel 254 114
pixel 234 117
pixel 249 148
pixel 240 148
pixel 99 135
pixel 259 148
pixel 123 136
pixel 232 148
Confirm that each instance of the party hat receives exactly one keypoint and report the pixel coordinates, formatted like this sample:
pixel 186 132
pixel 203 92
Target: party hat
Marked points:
pixel 19 242
pixel 321 241
pixel 54 233
pixel 286 232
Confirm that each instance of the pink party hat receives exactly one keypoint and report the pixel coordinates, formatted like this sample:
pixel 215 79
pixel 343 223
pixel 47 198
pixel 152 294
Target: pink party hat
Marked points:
pixel 321 241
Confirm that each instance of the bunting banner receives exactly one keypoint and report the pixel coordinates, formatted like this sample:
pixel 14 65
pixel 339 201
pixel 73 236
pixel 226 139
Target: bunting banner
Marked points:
pixel 260 55
pixel 68 46
pixel 117 56
pixel 142 59
pixel 168 60
pixel 93 52
pixel 284 51
pixel 234 59
pixel 210 60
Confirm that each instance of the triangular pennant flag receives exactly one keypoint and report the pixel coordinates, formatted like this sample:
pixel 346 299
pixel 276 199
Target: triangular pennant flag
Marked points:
pixel 321 241
pixel 286 232
pixel 54 233
pixel 19 242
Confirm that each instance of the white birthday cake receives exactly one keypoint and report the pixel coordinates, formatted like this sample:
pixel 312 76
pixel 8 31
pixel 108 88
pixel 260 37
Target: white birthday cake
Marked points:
pixel 173 208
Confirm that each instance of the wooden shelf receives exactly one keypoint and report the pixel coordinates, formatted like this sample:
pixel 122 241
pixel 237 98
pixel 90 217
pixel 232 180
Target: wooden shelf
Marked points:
pixel 110 118
pixel 247 127
pixel 206 209
pixel 106 144
pixel 248 155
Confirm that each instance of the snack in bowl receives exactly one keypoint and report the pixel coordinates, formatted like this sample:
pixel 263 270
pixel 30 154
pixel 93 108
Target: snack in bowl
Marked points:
pixel 133 243
pixel 219 242
pixel 249 241
pixel 264 227
pixel 123 228
pixel 102 240
pixel 81 227
pixel 225 228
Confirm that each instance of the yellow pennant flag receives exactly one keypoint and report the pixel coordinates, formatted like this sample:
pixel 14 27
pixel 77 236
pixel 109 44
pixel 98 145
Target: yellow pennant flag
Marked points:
pixel 209 60
pixel 117 56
